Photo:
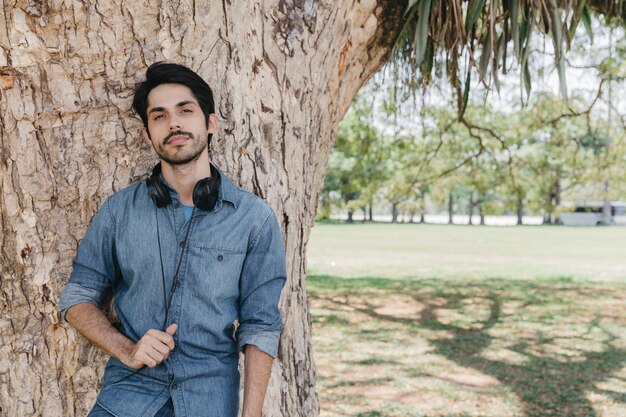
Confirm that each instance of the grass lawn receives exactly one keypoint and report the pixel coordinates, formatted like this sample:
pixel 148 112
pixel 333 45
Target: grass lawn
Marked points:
pixel 427 320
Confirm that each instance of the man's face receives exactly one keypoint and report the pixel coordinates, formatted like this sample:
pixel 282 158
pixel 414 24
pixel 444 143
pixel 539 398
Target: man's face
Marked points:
pixel 177 126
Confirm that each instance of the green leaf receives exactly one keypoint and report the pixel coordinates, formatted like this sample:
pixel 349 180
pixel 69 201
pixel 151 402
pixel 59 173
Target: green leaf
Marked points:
pixel 557 37
pixel 575 19
pixel 502 49
pixel 473 11
pixel 466 92
pixel 526 75
pixel 530 17
pixel 421 32
pixel 497 56
pixel 586 18
pixel 562 79
pixel 515 28
pixel 484 57
pixel 427 64
pixel 410 6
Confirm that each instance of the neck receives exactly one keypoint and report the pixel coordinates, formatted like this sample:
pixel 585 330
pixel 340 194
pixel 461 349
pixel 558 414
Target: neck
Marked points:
pixel 183 178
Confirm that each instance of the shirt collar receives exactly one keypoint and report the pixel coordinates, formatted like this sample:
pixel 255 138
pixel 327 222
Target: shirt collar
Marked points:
pixel 228 190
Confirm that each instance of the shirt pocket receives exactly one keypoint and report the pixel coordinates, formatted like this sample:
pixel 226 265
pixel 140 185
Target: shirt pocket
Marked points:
pixel 216 271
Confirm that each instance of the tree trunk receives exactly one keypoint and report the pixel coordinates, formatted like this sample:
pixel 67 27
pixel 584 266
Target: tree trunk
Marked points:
pixel 394 212
pixel 520 211
pixel 547 217
pixel 283 74
pixel 350 217
pixel 482 214
pixel 450 208
pixel 370 214
pixel 557 200
pixel 471 209
pixel 607 210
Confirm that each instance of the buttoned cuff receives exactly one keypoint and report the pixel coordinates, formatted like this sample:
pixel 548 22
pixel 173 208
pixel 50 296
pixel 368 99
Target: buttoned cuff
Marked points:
pixel 75 294
pixel 266 341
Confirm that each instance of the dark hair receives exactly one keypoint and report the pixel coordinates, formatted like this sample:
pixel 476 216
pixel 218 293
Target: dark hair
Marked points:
pixel 169 73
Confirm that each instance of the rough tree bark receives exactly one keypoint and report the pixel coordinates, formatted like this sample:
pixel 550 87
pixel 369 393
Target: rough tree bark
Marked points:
pixel 284 73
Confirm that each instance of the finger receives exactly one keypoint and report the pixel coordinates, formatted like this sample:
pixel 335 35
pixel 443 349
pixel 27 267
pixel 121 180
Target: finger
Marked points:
pixel 144 358
pixel 154 354
pixel 164 338
pixel 171 329
pixel 162 348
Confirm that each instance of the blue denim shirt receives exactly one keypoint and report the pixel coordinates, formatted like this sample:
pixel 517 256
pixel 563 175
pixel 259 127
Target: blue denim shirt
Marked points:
pixel 232 269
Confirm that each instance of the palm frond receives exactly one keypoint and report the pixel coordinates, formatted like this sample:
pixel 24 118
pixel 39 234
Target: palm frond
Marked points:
pixel 449 30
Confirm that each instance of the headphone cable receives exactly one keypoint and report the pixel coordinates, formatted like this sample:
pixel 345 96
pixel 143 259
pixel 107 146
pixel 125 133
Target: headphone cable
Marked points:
pixel 168 303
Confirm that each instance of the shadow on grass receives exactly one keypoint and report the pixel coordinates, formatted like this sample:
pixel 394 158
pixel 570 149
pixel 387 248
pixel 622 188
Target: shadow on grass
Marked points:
pixel 547 385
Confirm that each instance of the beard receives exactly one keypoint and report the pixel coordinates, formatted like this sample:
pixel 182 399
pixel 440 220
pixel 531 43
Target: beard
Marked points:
pixel 183 154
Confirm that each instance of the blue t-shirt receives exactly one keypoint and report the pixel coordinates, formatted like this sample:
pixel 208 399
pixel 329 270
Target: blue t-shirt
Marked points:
pixel 187 210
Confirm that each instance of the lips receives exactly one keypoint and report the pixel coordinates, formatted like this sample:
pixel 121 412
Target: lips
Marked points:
pixel 177 140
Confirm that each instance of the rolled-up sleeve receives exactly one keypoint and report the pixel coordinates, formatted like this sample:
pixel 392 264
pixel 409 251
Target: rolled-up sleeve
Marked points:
pixel 262 279
pixel 94 267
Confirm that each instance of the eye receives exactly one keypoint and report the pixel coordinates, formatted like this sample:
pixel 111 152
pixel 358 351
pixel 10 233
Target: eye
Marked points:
pixel 159 117
pixel 187 111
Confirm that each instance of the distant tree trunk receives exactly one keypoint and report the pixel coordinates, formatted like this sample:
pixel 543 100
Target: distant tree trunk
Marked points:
pixel 284 74
pixel 364 214
pixel 520 210
pixel 547 217
pixel 422 218
pixel 482 215
pixel 350 216
pixel 471 209
pixel 370 216
pixel 450 208
pixel 557 199
pixel 394 212
pixel 607 211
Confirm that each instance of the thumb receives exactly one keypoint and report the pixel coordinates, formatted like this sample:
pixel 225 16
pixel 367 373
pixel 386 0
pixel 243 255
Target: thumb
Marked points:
pixel 171 329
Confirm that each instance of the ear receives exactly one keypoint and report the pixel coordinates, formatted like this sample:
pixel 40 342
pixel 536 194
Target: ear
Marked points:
pixel 212 123
pixel 146 136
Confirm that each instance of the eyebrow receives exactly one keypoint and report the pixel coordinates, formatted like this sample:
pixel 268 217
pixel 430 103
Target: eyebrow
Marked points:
pixel 161 109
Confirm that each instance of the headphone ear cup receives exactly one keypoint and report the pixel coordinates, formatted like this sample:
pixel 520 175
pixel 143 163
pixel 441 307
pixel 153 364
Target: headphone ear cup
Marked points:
pixel 205 193
pixel 156 189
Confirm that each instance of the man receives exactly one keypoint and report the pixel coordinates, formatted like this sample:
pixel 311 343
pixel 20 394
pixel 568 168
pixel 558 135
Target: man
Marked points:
pixel 188 255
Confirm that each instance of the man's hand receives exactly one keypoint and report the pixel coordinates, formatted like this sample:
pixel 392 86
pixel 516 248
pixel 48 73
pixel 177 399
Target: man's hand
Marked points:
pixel 152 349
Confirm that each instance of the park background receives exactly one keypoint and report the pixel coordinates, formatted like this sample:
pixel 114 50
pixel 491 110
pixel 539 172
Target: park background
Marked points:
pixel 285 74
pixel 442 280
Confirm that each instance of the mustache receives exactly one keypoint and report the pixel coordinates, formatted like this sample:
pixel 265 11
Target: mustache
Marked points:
pixel 175 133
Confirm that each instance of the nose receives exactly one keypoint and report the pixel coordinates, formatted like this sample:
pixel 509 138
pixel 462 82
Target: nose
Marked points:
pixel 175 124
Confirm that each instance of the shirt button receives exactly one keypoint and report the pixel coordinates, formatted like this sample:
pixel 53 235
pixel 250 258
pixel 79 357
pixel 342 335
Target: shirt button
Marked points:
pixel 182 244
pixel 174 386
pixel 176 205
pixel 220 258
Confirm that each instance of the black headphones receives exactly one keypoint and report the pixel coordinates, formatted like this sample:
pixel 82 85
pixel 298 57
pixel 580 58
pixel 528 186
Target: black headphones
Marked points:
pixel 205 191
